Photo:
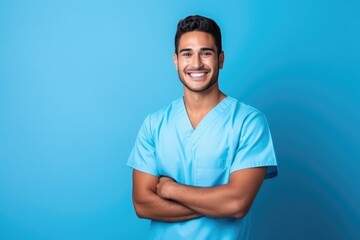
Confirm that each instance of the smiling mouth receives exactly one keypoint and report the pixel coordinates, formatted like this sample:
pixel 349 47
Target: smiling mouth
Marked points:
pixel 197 74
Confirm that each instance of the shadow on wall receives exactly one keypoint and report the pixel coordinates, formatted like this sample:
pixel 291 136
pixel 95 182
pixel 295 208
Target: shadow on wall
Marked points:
pixel 315 131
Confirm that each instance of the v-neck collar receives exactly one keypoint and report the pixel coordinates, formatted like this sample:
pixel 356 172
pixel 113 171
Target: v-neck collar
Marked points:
pixel 207 120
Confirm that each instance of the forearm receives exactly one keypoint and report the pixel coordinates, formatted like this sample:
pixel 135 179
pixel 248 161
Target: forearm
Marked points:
pixel 217 201
pixel 156 208
pixel 229 200
pixel 151 206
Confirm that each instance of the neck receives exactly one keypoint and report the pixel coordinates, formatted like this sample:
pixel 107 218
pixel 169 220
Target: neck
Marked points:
pixel 199 104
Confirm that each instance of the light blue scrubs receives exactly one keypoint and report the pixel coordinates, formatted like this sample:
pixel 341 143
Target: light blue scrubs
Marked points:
pixel 232 136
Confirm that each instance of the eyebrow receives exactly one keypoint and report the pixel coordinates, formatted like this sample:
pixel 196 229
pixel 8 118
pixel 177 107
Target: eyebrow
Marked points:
pixel 201 49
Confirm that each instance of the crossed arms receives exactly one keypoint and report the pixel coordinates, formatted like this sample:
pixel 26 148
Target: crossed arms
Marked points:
pixel 163 199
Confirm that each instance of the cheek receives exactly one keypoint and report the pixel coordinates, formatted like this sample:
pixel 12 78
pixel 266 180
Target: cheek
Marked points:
pixel 182 65
pixel 212 64
pixel 185 62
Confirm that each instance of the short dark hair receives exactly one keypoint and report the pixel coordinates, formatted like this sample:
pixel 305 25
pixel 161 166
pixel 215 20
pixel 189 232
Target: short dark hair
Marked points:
pixel 198 23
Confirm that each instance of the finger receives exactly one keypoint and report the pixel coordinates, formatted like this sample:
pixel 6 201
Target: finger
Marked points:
pixel 163 179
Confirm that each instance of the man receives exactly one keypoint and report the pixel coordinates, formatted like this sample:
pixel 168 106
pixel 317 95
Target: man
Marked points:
pixel 199 162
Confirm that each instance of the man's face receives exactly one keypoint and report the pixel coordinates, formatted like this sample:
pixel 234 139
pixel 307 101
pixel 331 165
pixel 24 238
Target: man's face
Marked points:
pixel 197 61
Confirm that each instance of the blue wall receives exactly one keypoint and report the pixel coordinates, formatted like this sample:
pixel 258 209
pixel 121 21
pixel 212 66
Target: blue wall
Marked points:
pixel 78 77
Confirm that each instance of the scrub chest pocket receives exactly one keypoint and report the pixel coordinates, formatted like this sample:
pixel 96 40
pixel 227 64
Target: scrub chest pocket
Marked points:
pixel 212 166
pixel 200 166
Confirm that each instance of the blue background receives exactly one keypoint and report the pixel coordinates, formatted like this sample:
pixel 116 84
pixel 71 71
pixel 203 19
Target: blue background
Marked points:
pixel 77 79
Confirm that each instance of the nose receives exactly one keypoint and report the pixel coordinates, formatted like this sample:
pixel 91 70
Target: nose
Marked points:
pixel 197 61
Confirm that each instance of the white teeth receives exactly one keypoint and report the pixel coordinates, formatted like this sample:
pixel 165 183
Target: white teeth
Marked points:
pixel 197 74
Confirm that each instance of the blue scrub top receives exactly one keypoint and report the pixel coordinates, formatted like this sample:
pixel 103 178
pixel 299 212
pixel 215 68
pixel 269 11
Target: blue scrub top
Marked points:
pixel 232 136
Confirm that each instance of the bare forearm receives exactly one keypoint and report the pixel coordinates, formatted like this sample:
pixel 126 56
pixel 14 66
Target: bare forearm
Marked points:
pixel 155 208
pixel 150 205
pixel 215 201
pixel 229 200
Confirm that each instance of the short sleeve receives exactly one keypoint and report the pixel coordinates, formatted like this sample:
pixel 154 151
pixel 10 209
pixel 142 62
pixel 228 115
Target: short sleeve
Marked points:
pixel 255 148
pixel 142 156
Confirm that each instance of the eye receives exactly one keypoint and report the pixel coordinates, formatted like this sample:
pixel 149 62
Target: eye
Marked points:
pixel 207 53
pixel 186 54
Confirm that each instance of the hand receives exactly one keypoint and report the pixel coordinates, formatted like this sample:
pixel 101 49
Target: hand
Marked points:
pixel 163 188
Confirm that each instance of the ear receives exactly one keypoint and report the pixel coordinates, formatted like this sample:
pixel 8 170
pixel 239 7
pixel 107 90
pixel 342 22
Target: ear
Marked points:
pixel 221 59
pixel 175 59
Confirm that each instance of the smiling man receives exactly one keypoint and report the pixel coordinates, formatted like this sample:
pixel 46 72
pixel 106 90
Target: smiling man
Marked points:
pixel 199 162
